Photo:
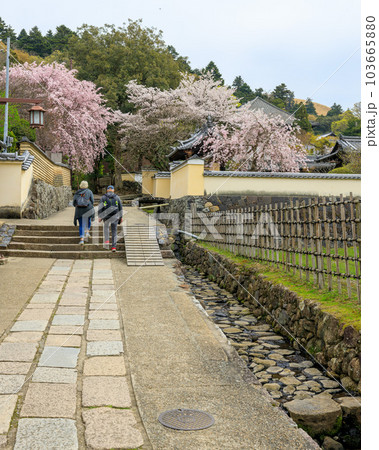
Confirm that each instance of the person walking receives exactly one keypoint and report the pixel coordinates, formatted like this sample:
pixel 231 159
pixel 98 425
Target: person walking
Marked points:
pixel 110 212
pixel 84 210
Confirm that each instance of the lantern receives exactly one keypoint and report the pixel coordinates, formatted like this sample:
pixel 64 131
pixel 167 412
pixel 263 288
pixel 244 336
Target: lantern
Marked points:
pixel 36 116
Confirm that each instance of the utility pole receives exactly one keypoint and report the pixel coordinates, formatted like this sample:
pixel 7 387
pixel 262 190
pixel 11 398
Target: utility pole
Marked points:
pixel 36 113
pixel 6 94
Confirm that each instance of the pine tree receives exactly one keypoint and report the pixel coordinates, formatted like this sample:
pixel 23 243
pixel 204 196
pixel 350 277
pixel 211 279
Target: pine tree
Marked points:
pixel 335 110
pixel 183 61
pixel 6 31
pixel 59 41
pixel 301 117
pixel 216 74
pixel 310 107
pixel 259 92
pixel 281 92
pixel 242 90
pixel 238 82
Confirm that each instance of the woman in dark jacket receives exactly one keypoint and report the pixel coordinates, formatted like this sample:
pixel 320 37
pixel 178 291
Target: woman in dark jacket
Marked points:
pixel 84 210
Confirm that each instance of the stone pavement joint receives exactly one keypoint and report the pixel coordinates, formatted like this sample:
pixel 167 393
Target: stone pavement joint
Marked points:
pixel 63 368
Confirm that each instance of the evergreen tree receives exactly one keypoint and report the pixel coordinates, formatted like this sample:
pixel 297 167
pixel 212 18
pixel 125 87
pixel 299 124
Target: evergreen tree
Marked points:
pixel 348 124
pixel 34 42
pixel 238 82
pixel 183 61
pixel 22 39
pixel 324 123
pixel 111 57
pixel 301 118
pixel 335 110
pixel 243 91
pixel 6 31
pixel 197 72
pixel 277 102
pixel 49 37
pixel 216 74
pixel 38 43
pixel 310 107
pixel 259 92
pixel 59 40
pixel 281 92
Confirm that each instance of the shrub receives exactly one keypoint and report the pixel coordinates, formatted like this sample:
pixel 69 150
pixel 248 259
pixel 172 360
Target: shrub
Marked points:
pixel 343 169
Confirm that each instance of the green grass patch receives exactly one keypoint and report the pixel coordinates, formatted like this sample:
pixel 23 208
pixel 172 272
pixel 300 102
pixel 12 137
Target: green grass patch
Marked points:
pixel 347 310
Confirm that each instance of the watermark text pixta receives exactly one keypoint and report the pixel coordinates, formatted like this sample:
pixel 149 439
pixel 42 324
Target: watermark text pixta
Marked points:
pixel 370 79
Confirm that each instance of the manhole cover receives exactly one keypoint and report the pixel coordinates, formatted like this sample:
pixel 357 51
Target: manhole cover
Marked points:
pixel 186 419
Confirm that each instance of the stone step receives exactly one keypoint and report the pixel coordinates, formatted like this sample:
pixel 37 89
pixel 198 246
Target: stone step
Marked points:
pixel 44 232
pixel 42 227
pixel 54 247
pixel 59 233
pixel 82 254
pixel 94 239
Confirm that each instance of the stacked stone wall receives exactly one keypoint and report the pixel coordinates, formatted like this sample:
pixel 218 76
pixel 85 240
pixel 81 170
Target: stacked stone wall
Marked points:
pixel 45 199
pixel 336 346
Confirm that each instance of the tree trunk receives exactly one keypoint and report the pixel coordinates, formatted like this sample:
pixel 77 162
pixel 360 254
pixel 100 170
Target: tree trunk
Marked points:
pixel 118 169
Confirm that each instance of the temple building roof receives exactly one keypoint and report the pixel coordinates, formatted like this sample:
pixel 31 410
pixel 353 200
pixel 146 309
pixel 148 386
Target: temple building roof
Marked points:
pixel 344 144
pixel 192 145
pixel 270 110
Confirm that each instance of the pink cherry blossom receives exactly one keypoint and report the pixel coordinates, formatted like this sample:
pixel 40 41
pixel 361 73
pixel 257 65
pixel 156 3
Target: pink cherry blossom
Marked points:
pixel 76 117
pixel 253 141
pixel 241 139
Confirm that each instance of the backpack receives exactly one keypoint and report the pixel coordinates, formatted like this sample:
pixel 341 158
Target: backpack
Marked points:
pixel 112 204
pixel 82 201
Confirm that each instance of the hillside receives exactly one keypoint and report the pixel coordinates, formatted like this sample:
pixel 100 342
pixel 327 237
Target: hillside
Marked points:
pixel 320 109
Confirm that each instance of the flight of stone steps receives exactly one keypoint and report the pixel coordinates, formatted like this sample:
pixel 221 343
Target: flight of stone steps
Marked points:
pixel 60 241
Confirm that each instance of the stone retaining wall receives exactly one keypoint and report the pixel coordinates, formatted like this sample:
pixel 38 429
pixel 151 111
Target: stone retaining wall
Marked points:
pixel 335 346
pixel 45 199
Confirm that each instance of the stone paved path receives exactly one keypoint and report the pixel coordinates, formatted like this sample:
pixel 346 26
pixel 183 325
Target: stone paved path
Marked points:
pixel 63 379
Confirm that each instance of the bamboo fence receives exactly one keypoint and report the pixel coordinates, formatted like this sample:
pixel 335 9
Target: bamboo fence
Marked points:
pixel 318 239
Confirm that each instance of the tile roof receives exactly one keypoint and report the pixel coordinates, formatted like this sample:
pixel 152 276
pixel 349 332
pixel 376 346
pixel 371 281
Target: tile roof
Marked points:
pixel 350 142
pixel 162 175
pixel 281 175
pixel 25 139
pixel 26 158
pixel 193 141
pixel 270 110
pixel 344 143
pixel 330 134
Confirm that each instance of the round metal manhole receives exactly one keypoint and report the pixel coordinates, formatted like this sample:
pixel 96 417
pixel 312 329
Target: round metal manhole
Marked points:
pixel 186 419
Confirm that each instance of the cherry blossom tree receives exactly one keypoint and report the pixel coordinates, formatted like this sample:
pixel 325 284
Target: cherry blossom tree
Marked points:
pixel 76 117
pixel 241 139
pixel 253 141
pixel 162 117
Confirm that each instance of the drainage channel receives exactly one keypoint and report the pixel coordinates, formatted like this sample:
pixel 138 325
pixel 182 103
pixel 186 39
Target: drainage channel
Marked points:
pixel 284 371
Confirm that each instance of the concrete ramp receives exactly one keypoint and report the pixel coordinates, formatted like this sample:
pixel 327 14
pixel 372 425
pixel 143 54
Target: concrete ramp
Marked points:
pixel 141 245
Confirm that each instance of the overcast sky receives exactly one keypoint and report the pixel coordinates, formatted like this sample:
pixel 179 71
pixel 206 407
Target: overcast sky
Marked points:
pixel 267 42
